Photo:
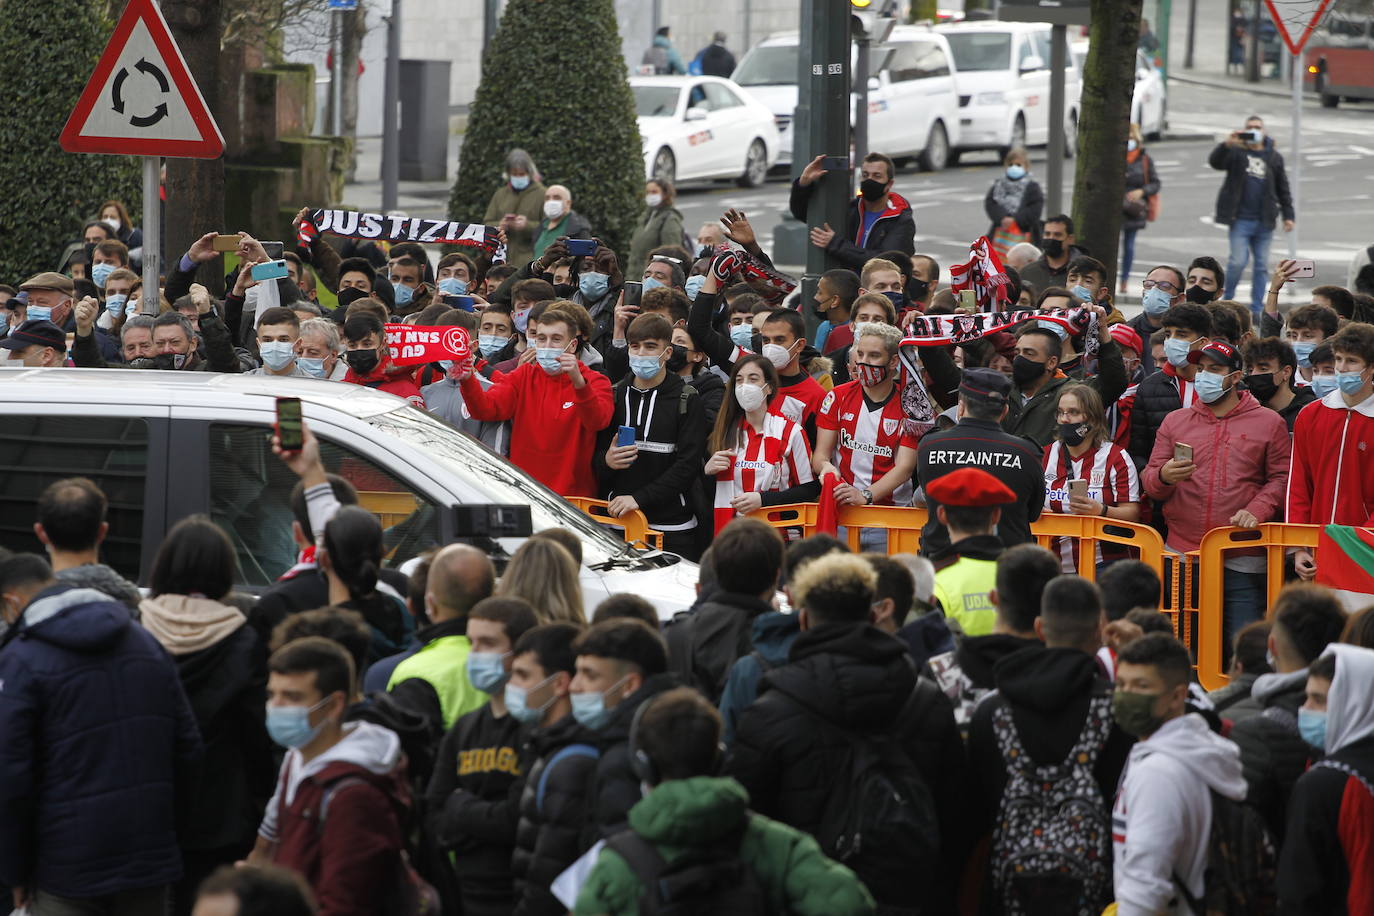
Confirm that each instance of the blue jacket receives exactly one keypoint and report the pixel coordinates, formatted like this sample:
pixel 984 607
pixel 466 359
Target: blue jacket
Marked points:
pixel 95 735
pixel 773 635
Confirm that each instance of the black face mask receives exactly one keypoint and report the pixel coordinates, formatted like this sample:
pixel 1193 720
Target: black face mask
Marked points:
pixel 1053 247
pixel 678 361
pixel 362 361
pixel 898 299
pixel 169 361
pixel 872 189
pixel 564 290
pixel 1198 294
pixel 1072 434
pixel 917 290
pixel 1025 370
pixel 823 306
pixel 1262 386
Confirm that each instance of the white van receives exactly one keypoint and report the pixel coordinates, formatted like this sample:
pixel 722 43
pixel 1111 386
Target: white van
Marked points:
pixel 165 445
pixel 913 106
pixel 1003 76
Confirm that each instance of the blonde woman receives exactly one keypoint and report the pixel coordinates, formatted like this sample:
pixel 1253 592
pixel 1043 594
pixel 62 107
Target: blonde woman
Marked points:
pixel 545 574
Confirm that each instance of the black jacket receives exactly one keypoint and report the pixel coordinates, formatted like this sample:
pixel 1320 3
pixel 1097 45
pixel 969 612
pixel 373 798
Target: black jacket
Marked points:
pixel 859 679
pixel 1027 215
pixel 1331 808
pixel 983 444
pixel 554 807
pixel 670 430
pixel 1155 398
pixel 1141 175
pixel 717 61
pixel 1301 398
pixel 304 591
pixel 894 230
pixel 1141 325
pixel 1272 753
pixel 703 644
pixel 615 787
pixel 1234 161
pixel 711 389
pixel 1035 419
pixel 473 802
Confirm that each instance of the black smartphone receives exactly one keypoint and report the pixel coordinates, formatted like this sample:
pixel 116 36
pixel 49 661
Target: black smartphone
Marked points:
pixel 581 248
pixel 633 291
pixel 273 249
pixel 290 432
pixel 835 163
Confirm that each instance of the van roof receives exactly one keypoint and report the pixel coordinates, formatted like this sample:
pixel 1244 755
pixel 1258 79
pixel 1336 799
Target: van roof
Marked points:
pixel 154 387
pixel 901 31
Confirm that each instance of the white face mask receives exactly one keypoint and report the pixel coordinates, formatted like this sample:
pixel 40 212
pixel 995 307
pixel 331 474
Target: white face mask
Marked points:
pixel 553 208
pixel 777 355
pixel 112 223
pixel 653 200
pixel 750 397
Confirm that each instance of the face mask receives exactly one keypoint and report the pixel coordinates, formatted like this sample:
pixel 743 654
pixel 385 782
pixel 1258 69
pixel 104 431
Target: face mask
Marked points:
pixel 645 367
pixel 741 335
pixel 1176 352
pixel 39 313
pixel 1072 434
pixel 290 726
pixel 750 397
pixel 112 223
pixel 872 189
pixel 1350 382
pixel 1312 727
pixel 362 361
pixel 520 182
pixel 653 200
pixel 1053 247
pixel 678 361
pixel 777 355
pixel 311 367
pixel 1210 387
pixel 1322 385
pixel 1155 302
pixel 553 208
pixel 898 299
pixel 100 273
pixel 651 283
pixel 563 290
pixel 1131 145
pixel 593 285
pixel 1197 295
pixel 487 344
pixel 917 290
pixel 403 294
pixel 169 361
pixel 589 709
pixel 517 702
pixel 548 357
pixel 1016 172
pixel 1024 371
pixel 1134 712
pixel 1302 349
pixel 871 376
pixel 487 670
pixel 453 286
pixel 277 354
pixel 521 317
pixel 693 286
pixel 1082 293
pixel 446 364
pixel 115 304
pixel 1262 385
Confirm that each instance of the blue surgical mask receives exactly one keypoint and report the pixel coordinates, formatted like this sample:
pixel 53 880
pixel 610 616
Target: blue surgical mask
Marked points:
pixel 487 344
pixel 1131 145
pixel 742 335
pixel 694 285
pixel 1176 352
pixel 651 283
pixel 311 367
pixel 589 709
pixel 521 317
pixel 593 285
pixel 1322 385
pixel 1082 293
pixel 517 701
pixel 290 726
pixel 487 670
pixel 277 354
pixel 1302 349
pixel 100 273
pixel 453 286
pixel 645 367
pixel 1016 172
pixel 38 313
pixel 1350 382
pixel 520 182
pixel 1155 302
pixel 115 304
pixel 1312 727
pixel 446 364
pixel 548 357
pixel 1210 387
pixel 403 294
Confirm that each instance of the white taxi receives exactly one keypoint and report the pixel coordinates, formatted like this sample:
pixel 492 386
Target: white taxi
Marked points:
pixel 702 128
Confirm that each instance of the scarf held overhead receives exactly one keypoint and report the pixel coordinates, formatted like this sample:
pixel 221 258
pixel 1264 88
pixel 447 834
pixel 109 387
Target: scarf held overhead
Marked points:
pixel 376 226
pixel 982 273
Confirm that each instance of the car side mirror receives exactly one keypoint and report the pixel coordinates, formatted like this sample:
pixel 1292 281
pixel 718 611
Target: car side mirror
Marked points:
pixel 874 83
pixel 696 114
pixel 1031 64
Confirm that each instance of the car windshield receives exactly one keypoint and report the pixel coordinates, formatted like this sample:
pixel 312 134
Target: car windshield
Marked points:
pixel 655 101
pixel 498 481
pixel 980 50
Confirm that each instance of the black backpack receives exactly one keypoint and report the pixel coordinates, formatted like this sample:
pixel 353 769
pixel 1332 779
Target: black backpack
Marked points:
pixel 1242 865
pixel 702 653
pixel 714 882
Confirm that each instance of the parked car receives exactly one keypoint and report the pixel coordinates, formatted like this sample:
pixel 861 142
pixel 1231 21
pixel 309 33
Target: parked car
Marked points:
pixel 1002 70
pixel 913 107
pixel 1149 101
pixel 165 445
pixel 703 127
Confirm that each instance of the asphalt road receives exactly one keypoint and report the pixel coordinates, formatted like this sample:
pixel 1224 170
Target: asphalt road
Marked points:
pixel 1335 208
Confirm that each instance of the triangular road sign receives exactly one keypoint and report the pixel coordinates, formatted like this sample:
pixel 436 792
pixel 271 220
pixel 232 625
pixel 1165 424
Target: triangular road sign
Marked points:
pixel 141 99
pixel 1286 28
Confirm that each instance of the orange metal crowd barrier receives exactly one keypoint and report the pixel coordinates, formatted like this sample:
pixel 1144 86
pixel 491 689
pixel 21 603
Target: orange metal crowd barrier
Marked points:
pixel 634 527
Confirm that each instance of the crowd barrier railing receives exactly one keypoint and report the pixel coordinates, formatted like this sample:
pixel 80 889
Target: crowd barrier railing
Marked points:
pixel 633 525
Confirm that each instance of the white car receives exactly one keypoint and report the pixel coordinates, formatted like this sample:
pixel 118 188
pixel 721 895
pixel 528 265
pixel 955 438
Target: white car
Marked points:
pixel 703 127
pixel 913 107
pixel 1003 73
pixel 165 445
pixel 1149 101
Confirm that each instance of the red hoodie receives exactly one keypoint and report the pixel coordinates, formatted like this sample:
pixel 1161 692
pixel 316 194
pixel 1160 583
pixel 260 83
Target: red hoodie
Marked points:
pixel 397 380
pixel 553 424
pixel 1331 479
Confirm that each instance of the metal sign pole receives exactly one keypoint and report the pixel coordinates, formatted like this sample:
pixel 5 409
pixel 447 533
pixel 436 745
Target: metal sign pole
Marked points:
pixel 336 78
pixel 152 233
pixel 1296 183
pixel 1054 166
pixel 391 100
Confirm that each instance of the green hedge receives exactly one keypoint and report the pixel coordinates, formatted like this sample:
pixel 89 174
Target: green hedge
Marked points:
pixel 47 53
pixel 554 82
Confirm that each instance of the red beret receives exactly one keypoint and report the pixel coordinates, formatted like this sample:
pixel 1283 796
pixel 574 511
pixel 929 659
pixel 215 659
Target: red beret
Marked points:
pixel 969 487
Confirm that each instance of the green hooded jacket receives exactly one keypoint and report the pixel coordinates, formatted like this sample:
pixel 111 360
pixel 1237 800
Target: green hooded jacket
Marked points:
pixel 687 814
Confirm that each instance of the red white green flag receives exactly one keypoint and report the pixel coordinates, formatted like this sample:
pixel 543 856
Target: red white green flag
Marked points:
pixel 1345 563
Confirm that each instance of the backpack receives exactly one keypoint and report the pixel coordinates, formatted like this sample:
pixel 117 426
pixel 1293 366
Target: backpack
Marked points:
pixel 1242 864
pixel 703 657
pixel 714 881
pixel 1051 847
pixel 657 58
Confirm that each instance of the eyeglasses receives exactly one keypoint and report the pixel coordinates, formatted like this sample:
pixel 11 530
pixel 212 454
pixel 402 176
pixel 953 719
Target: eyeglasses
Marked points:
pixel 1162 284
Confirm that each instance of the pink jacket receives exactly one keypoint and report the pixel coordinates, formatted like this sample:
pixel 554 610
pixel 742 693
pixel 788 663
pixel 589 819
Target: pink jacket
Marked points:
pixel 1241 463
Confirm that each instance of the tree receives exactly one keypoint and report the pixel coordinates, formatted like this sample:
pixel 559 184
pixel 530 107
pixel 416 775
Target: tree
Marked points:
pixel 554 82
pixel 1104 126
pixel 46 57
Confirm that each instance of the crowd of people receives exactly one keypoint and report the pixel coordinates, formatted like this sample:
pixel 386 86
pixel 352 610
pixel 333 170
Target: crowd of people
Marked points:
pixel 821 731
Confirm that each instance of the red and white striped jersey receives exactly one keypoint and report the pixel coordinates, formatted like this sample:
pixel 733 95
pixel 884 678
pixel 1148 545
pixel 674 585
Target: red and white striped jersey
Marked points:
pixel 868 438
pixel 1111 478
pixel 775 459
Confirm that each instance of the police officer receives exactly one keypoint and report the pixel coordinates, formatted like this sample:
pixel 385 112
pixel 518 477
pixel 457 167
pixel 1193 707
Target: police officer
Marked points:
pixel 978 441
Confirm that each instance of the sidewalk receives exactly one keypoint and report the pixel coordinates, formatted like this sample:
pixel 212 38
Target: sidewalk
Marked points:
pixel 414 198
